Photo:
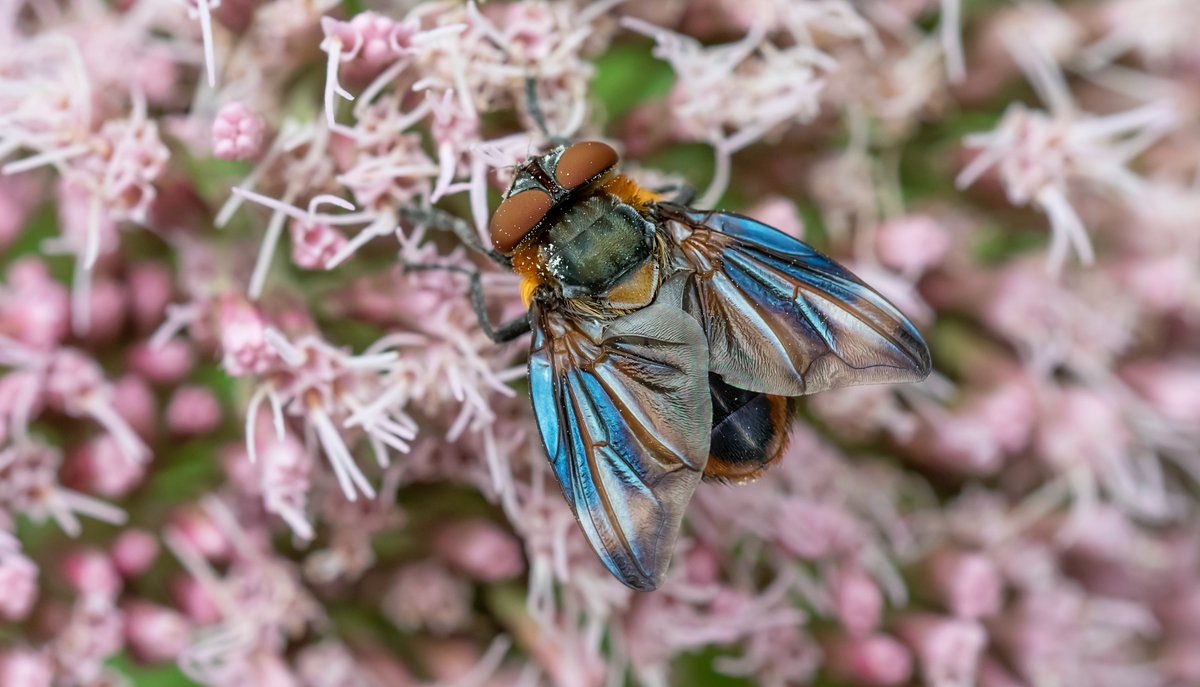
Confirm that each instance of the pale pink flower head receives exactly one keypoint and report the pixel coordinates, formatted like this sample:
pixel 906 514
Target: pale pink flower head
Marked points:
pixel 1082 426
pixel 481 550
pixel 100 466
pixel 968 584
pixel 155 634
pixel 133 552
pixel 193 411
pixel 871 661
pixel 26 668
pixel 108 306
pixel 857 601
pixel 913 244
pixel 163 363
pixel 813 530
pixel 34 308
pixel 18 579
pixel 92 573
pixel 948 650
pixel 134 401
pixel 149 293
pixel 428 596
pixel 194 527
pixel 237 133
pixel 314 244
pixel 1171 386
pixel 243 338
pixel 195 601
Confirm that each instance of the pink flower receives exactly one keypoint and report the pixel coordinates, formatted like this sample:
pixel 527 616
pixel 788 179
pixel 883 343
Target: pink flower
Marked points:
pixel 26 668
pixel 237 133
pixel 155 634
pixel 18 579
pixel 968 584
pixel 134 552
pixel 34 309
pixel 193 410
pixel 857 601
pixel 871 661
pixel 947 650
pixel 99 466
pixel 814 530
pixel 92 573
pixel 314 245
pixel 165 363
pixel 426 595
pixel 912 245
pixel 243 339
pixel 481 550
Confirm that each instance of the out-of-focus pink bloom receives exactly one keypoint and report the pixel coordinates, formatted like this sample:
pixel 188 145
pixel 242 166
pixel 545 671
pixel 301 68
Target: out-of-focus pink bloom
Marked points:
pixel 34 309
pixel 193 411
pixel 195 601
pixel 18 579
pixel 107 307
pixel 286 474
pixel 1173 388
pixel 314 244
pixel 26 668
pixel 243 338
pixel 871 661
pixel 967 584
pixel 134 401
pixel 857 601
pixel 18 196
pixel 237 133
pixel 427 595
pixel 861 412
pixel 75 384
pixel 194 527
pixel 481 550
pixel 149 293
pixel 92 573
pixel 815 530
pixel 948 650
pixel 99 466
pixel 164 363
pixel 1038 154
pixel 134 552
pixel 155 634
pixel 912 244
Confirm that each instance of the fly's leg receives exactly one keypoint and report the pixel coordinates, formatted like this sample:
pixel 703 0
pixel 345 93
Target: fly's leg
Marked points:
pixel 499 334
pixel 441 220
pixel 535 112
pixel 680 194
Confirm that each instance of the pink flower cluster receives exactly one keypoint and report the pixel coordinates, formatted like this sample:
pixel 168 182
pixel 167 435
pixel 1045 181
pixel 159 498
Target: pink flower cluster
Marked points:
pixel 242 442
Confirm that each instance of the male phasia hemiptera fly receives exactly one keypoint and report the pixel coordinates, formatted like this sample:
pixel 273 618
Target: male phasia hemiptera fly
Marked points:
pixel 667 342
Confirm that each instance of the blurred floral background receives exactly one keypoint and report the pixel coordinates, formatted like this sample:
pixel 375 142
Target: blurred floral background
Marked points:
pixel 240 445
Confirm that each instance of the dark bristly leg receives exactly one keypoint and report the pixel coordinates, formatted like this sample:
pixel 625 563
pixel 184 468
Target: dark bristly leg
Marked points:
pixel 684 194
pixel 501 334
pixel 441 220
pixel 535 112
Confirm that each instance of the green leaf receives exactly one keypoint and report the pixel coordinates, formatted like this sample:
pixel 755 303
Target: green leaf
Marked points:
pixel 629 75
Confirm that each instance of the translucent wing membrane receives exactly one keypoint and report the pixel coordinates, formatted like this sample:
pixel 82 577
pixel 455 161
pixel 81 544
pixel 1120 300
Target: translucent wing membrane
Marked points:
pixel 625 417
pixel 783 319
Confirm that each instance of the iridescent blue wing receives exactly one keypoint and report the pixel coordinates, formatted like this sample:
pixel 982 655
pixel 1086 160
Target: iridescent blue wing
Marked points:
pixel 624 414
pixel 783 319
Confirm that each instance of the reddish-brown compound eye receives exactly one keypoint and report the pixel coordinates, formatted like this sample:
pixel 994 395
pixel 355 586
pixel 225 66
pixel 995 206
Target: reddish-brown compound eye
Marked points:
pixel 583 162
pixel 517 216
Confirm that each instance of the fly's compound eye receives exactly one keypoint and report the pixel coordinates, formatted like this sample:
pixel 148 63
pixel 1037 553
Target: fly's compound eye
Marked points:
pixel 583 162
pixel 517 216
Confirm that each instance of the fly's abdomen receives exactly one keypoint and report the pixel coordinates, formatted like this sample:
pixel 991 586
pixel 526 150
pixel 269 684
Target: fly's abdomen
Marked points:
pixel 749 432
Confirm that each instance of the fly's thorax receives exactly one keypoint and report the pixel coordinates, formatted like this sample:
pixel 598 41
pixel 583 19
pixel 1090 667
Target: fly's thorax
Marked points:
pixel 594 243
